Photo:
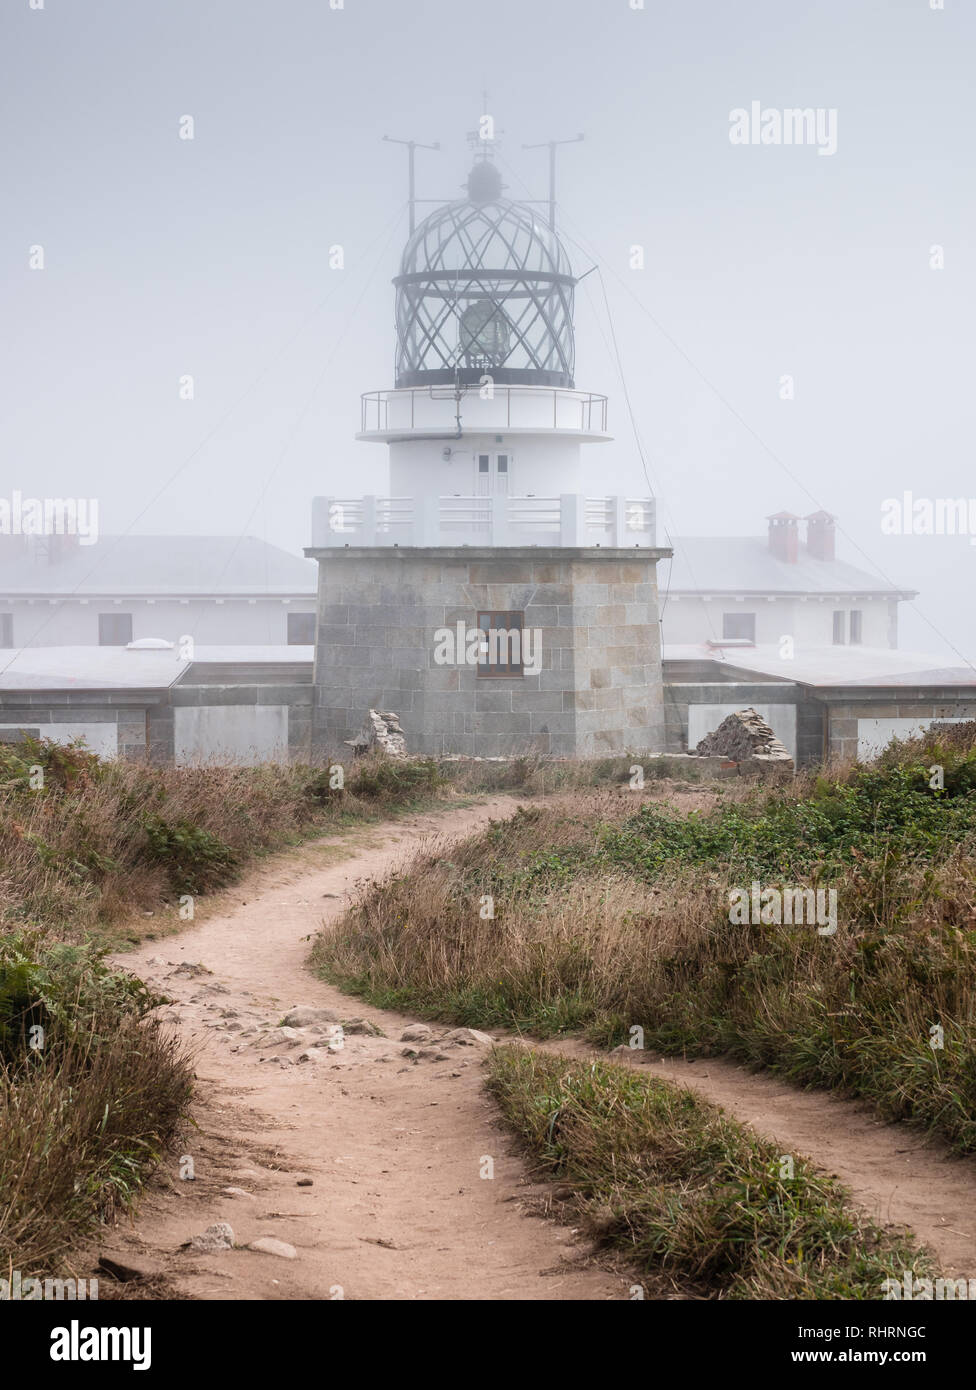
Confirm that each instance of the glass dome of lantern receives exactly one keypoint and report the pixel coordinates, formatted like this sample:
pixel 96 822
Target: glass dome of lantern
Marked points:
pixel 485 287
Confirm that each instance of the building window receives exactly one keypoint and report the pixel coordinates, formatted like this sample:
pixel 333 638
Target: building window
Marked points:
pixel 6 629
pixel 838 629
pixel 856 626
pixel 503 634
pixel 739 625
pixel 114 629
pixel 301 629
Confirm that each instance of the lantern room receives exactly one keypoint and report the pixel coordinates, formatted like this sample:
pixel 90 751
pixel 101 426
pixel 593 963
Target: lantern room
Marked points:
pixel 484 287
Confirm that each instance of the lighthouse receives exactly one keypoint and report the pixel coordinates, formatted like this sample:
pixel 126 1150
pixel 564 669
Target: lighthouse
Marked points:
pixel 486 599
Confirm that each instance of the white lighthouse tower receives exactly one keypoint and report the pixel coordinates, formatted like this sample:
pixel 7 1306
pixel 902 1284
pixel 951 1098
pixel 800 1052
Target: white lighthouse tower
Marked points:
pixel 486 526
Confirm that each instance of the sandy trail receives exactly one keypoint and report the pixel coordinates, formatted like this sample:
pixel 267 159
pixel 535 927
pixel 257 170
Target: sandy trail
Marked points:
pixel 397 1208
pixel 896 1174
pixel 394 1147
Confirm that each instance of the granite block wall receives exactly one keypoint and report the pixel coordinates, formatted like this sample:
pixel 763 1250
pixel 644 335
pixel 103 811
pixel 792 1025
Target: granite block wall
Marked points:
pixel 597 689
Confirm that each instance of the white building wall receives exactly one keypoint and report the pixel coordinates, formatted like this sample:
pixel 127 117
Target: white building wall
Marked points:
pixel 809 622
pixel 545 466
pixel 234 622
pixel 243 734
pixel 874 735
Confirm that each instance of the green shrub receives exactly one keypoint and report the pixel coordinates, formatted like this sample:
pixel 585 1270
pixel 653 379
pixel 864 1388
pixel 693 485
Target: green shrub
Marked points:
pixel 66 989
pixel 65 767
pixel 395 780
pixel 878 811
pixel 196 860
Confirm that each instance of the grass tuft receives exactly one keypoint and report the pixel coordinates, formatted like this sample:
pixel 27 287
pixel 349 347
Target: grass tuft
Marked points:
pixel 689 1193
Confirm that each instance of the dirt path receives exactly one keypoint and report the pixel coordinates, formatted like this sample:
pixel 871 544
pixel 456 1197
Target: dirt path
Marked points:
pixel 896 1174
pixel 395 1146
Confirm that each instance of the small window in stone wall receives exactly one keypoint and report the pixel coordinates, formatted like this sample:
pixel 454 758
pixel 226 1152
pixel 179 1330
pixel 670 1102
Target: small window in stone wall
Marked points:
pixel 114 629
pixel 301 629
pixel 838 629
pixel 856 626
pixel 739 625
pixel 503 634
pixel 6 629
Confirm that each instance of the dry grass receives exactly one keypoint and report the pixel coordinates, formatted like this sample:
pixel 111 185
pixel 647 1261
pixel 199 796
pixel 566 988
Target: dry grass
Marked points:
pixel 83 850
pixel 605 922
pixel 688 1192
pixel 85 1115
pixel 80 1133
pixel 102 840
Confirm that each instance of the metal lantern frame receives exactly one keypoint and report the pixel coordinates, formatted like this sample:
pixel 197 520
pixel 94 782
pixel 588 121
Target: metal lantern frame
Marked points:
pixel 497 252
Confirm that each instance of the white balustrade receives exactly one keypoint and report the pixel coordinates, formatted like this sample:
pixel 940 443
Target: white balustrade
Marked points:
pixel 497 520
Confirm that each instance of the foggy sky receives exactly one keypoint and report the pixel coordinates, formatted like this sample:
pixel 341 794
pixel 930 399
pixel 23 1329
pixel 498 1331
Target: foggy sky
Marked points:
pixel 166 257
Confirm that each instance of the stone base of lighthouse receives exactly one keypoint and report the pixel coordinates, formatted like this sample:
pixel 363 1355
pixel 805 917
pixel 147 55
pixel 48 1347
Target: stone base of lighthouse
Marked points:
pixel 593 614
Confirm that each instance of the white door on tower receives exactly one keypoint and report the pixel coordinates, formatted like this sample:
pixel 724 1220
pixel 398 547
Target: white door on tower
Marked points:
pixel 491 475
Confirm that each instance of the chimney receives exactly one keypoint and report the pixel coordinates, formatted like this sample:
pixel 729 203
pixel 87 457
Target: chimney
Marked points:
pixel 784 536
pixel 820 535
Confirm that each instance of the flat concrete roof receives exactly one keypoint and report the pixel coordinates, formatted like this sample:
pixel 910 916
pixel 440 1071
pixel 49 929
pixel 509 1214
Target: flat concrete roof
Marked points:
pixel 829 666
pixel 126 668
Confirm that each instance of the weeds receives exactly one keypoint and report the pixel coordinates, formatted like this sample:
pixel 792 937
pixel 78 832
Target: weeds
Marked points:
pixel 688 1192
pixel 91 1090
pixel 603 919
pixel 90 1094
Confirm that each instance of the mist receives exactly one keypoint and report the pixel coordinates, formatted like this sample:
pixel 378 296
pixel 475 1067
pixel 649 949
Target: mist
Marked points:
pixel 844 265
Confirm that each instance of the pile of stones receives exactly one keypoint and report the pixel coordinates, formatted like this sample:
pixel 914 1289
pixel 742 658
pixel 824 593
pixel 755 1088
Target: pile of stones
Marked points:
pixel 381 733
pixel 745 737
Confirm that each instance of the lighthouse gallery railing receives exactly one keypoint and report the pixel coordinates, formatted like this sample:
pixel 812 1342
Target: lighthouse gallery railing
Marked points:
pixel 568 520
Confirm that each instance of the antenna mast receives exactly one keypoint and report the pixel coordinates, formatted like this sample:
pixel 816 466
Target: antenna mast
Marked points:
pixel 485 138
pixel 551 145
pixel 412 146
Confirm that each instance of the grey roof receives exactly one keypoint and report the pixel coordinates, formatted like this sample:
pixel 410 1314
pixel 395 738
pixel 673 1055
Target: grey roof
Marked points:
pixel 132 668
pixel 745 564
pixel 130 566
pixel 876 667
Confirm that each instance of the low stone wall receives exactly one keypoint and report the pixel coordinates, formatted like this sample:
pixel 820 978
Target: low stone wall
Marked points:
pixel 678 767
